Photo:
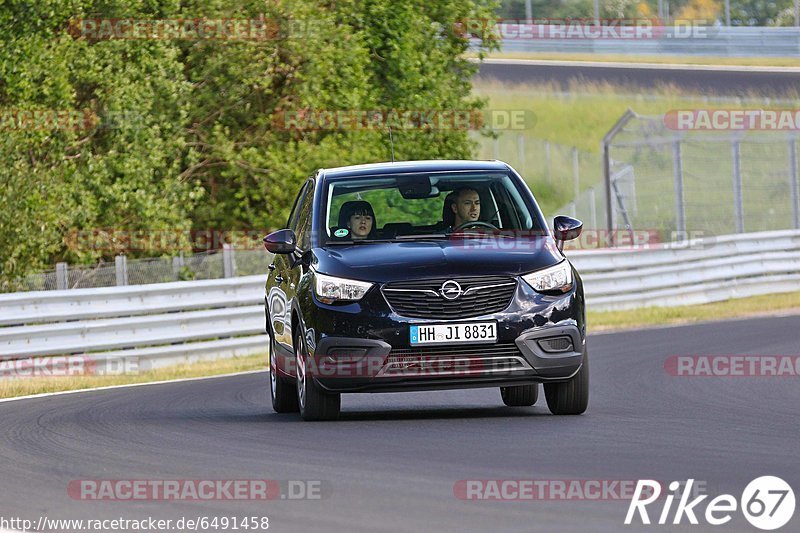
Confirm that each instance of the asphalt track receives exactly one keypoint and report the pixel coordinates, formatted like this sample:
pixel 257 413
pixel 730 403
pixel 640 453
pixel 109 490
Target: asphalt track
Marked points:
pixel 732 81
pixel 391 462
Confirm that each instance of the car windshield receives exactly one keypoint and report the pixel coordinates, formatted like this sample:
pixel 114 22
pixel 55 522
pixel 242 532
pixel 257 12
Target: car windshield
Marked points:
pixel 426 206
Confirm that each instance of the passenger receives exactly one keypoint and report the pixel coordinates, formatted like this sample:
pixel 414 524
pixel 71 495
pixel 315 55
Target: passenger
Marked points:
pixel 359 218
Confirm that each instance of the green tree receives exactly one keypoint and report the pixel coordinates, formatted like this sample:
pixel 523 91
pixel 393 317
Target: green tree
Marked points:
pixel 118 170
pixel 186 132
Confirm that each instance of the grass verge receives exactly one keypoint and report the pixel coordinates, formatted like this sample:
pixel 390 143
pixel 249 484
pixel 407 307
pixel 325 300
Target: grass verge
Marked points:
pixel 671 60
pixel 23 386
pixel 582 113
pixel 755 306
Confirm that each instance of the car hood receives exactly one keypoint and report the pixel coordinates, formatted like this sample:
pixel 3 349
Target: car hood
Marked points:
pixel 398 261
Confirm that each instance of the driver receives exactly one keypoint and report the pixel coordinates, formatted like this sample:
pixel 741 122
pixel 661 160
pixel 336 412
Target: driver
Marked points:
pixel 466 206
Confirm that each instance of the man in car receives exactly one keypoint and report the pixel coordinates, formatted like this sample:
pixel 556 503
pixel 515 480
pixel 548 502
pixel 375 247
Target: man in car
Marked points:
pixel 466 206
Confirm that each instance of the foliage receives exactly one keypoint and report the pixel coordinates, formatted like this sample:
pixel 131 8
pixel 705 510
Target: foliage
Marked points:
pixel 708 10
pixel 762 12
pixel 185 134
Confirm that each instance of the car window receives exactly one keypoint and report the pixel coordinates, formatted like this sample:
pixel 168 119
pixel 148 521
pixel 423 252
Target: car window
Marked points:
pixel 406 205
pixel 291 223
pixel 390 207
pixel 303 230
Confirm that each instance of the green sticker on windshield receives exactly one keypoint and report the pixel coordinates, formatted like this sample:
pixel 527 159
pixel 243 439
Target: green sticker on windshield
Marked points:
pixel 341 232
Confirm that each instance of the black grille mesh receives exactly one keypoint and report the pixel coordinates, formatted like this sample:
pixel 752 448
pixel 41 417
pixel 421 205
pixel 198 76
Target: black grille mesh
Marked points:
pixel 455 359
pixel 490 294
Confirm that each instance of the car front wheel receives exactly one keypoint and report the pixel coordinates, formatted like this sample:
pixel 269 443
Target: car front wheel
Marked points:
pixel 520 395
pixel 281 390
pixel 570 397
pixel 315 403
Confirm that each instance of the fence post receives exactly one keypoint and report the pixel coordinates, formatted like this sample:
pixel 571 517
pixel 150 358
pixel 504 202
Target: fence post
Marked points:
pixel 121 262
pixel 177 265
pixel 680 206
pixel 794 184
pixel 228 261
pixel 62 281
pixel 521 154
pixel 609 200
pixel 576 178
pixel 738 207
pixel 592 208
pixel 607 139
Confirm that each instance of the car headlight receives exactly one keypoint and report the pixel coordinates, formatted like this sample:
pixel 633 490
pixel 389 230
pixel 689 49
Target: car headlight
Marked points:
pixel 557 278
pixel 330 289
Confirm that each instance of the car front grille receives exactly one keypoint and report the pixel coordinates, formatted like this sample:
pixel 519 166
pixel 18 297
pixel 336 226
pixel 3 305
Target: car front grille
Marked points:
pixel 454 361
pixel 423 299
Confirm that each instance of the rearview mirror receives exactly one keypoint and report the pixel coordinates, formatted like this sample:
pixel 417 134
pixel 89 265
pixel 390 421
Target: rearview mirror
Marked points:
pixel 417 188
pixel 565 229
pixel 282 241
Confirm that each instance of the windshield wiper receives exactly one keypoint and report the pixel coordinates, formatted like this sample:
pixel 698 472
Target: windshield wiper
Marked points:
pixel 488 234
pixel 359 241
pixel 424 236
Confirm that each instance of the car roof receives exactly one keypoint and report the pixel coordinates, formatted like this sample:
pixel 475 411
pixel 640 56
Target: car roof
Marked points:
pixel 399 167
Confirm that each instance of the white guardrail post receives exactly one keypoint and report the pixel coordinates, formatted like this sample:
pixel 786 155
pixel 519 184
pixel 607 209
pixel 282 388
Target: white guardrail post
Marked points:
pixel 121 263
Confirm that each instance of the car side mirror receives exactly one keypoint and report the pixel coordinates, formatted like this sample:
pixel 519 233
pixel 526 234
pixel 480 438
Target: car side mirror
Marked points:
pixel 565 229
pixel 282 241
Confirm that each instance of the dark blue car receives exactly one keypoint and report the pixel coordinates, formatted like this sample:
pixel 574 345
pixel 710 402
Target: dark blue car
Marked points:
pixel 423 275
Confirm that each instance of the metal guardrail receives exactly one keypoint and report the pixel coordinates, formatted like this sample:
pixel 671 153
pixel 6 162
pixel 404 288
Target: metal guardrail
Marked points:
pixel 157 324
pixel 107 302
pixel 699 271
pixel 168 323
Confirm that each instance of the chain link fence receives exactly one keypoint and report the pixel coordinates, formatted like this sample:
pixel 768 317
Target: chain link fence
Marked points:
pixel 554 172
pixel 225 263
pixel 715 182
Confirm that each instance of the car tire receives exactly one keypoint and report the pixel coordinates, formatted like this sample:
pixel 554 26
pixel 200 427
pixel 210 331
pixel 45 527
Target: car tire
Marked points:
pixel 570 397
pixel 314 402
pixel 520 395
pixel 282 391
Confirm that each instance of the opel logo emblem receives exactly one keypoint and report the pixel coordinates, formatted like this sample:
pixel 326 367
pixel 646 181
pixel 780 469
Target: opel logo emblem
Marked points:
pixel 450 290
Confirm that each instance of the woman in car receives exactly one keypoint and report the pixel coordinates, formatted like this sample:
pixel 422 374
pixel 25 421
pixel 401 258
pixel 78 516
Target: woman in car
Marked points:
pixel 359 218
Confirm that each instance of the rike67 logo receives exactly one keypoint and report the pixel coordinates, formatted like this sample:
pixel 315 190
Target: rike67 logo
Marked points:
pixel 767 503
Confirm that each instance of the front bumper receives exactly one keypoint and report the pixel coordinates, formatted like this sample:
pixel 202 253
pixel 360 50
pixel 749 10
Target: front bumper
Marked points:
pixel 364 346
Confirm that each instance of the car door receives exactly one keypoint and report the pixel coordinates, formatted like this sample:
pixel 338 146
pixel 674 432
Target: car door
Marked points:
pixel 295 268
pixel 280 289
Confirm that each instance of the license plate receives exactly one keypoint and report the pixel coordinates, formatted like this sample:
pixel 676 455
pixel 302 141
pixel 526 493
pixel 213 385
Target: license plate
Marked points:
pixel 452 333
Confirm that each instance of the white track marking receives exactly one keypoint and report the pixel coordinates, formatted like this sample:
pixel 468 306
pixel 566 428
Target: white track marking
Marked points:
pixel 125 386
